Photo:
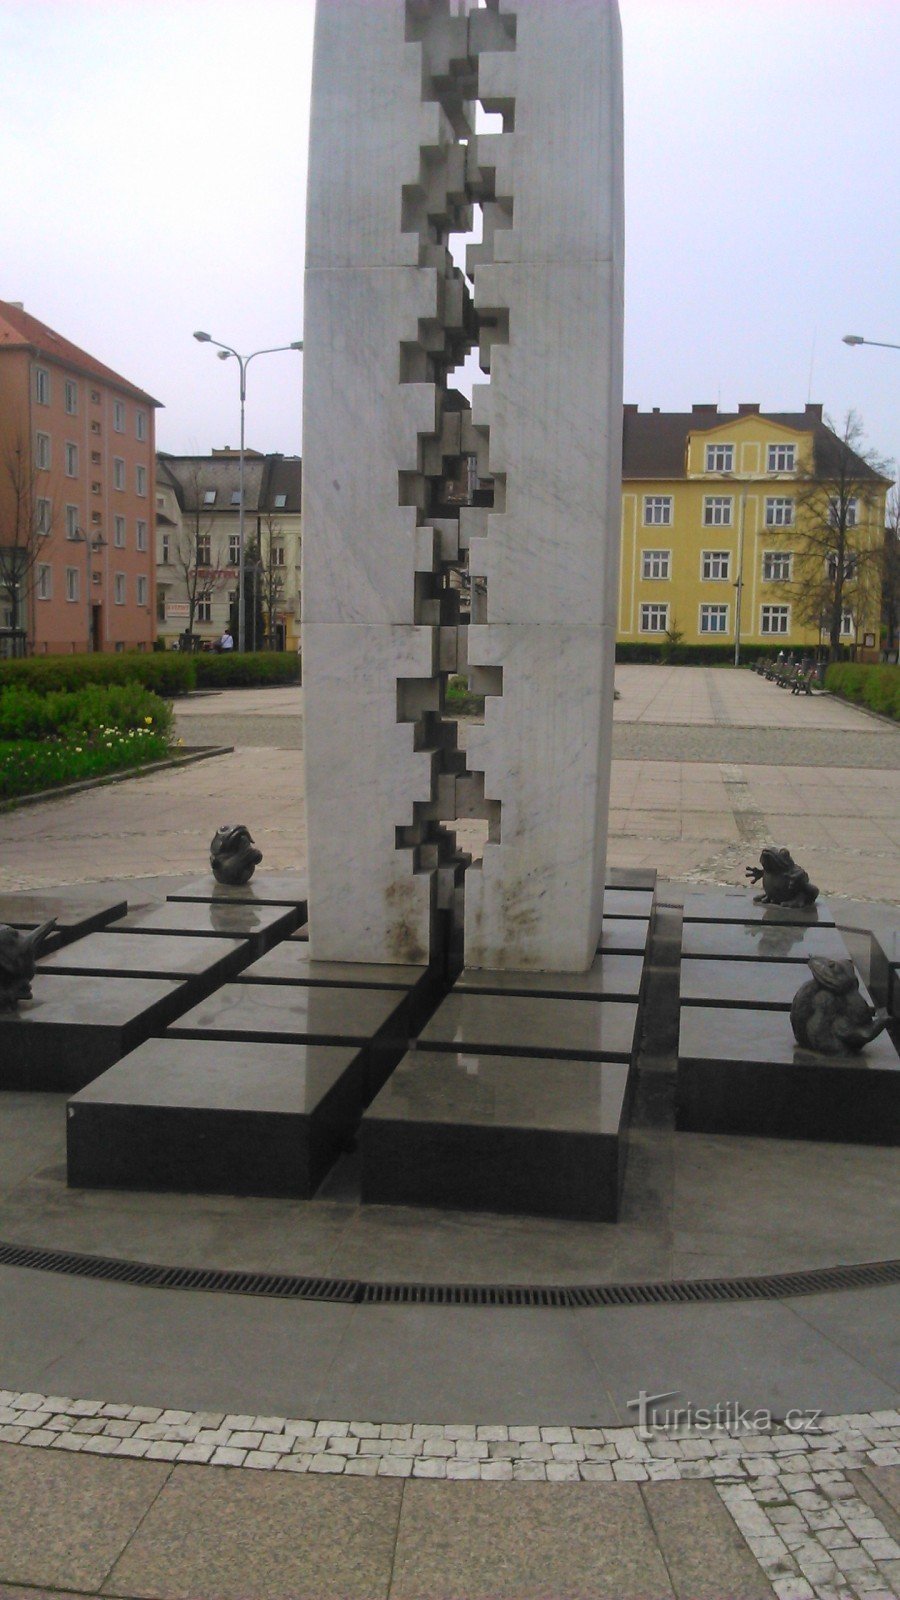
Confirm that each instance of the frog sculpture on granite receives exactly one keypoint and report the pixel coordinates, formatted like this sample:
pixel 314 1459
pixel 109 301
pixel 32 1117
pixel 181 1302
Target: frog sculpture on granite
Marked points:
pixel 829 1015
pixel 18 956
pixel 232 854
pixel 783 882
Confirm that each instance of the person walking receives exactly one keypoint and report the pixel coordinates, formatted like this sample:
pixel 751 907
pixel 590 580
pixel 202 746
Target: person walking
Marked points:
pixel 226 642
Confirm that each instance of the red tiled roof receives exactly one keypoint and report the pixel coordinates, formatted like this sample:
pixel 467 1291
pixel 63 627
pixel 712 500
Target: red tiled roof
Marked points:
pixel 18 330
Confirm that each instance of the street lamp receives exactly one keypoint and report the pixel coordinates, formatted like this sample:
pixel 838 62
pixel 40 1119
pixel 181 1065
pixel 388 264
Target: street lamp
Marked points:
pixel 225 351
pixel 857 338
pixel 93 544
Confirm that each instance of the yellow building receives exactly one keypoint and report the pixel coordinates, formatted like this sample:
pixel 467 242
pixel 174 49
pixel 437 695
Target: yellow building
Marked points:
pixel 718 543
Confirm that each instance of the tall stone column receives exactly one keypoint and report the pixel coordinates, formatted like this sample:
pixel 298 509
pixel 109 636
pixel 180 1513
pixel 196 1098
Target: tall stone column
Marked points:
pixel 396 167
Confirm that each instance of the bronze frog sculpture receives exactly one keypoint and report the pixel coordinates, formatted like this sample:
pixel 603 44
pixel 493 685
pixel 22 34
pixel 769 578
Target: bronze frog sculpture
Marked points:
pixel 828 1014
pixel 18 954
pixel 783 882
pixel 232 854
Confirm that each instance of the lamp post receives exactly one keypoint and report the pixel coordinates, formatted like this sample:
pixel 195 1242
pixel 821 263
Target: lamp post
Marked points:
pixel 93 544
pixel 857 338
pixel 225 352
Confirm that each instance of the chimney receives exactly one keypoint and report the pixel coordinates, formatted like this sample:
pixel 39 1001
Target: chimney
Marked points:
pixel 814 412
pixel 748 408
pixel 17 305
pixel 704 409
pixel 630 410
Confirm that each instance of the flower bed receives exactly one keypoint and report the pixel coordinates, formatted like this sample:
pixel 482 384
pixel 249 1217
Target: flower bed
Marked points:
pixel 29 766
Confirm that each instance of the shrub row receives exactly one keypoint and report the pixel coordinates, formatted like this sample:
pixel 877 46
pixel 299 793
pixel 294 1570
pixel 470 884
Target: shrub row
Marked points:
pixel 692 655
pixel 25 714
pixel 165 672
pixel 875 687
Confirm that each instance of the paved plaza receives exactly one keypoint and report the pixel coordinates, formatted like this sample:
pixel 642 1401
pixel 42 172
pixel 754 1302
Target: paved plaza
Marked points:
pixel 202 1445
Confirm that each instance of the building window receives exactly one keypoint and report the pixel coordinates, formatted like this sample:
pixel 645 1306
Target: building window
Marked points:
pixel 849 508
pixel 141 480
pixel 72 583
pixel 95 427
pixel 119 533
pixel 278 555
pixel 779 511
pixel 42 452
pixel 42 386
pixel 118 472
pixel 655 563
pixel 44 588
pixel 657 510
pixel 140 425
pixel 164 544
pixel 95 397
pixel 141 535
pixel 119 416
pixel 119 589
pixel 234 550
pixel 161 605
pixel 847 624
pixel 774 619
pixel 717 511
pixel 209 497
pixel 281 501
pixel 716 564
pixel 720 458
pixel 71 522
pixel 776 567
pixel 204 609
pixel 713 619
pixel 95 458
pixel 203 550
pixel 782 457
pixel 654 618
pixel 43 516
pixel 142 591
pixel 96 487
pixel 851 565
pixel 71 461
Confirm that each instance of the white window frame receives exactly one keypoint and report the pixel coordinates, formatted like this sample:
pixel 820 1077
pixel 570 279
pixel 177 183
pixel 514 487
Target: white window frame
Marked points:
pixel 848 626
pixel 779 512
pixel 656 610
pixel 658 510
pixel 118 416
pixel 43 516
pixel 71 459
pixel 140 534
pixel 142 589
pixel 774 613
pixel 165 540
pixel 44 584
pixel 711 561
pixel 42 386
pixel 204 609
pixel 73 584
pixel 777 558
pixel 119 588
pixel 718 510
pixel 140 425
pixel 721 613
pixel 71 397
pixel 140 479
pixel 72 513
pixel 661 559
pixel 119 533
pixel 42 452
pixel 203 551
pixel 234 549
pixel 781 458
pixel 278 555
pixel 118 472
pixel 720 458
pixel 209 497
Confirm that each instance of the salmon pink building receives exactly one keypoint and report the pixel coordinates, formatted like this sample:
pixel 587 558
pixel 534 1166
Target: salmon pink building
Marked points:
pixel 77 536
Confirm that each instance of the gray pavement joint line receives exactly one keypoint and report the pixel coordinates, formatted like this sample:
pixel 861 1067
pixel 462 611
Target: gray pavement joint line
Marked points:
pixel 749 820
pixel 832 1340
pixel 101 1586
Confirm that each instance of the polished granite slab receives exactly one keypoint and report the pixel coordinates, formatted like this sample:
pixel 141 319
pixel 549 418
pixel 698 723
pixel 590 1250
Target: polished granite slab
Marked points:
pixel 202 962
pixel 78 910
pixel 519 1025
pixel 738 905
pixel 628 902
pixel 301 934
pixel 216 1116
pixel 762 985
pixel 373 1020
pixel 75 1027
pixel 290 962
pixel 631 877
pixel 612 977
pixel 264 889
pixel 884 969
pixel 506 1133
pixel 261 925
pixel 741 1072
pixel 755 941
pixel 627 936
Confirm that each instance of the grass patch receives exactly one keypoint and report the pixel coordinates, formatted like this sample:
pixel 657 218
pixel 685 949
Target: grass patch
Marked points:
pixel 30 766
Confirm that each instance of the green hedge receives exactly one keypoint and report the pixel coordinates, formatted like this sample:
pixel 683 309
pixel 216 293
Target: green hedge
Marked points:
pixel 167 674
pixel 878 688
pixel 693 655
pixel 25 714
pixel 231 670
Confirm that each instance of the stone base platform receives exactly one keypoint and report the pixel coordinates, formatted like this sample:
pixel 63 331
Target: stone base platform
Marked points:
pixel 264 889
pixel 261 925
pixel 200 963
pixel 78 911
pixel 885 971
pixel 77 1026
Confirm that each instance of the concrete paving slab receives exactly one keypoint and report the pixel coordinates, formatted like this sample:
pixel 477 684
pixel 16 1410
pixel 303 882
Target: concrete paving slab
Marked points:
pixel 873 1340
pixel 65 1521
pixel 527 1541
pixel 212 1532
pixel 705 1555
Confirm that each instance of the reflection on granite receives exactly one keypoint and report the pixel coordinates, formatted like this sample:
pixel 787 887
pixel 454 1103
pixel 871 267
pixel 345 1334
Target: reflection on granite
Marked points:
pixel 263 925
pixel 264 888
pixel 280 1011
pixel 290 962
pixel 739 906
pixel 513 1024
pixel 78 910
pixel 613 977
pixel 624 935
pixel 75 1027
pixel 631 877
pixel 151 955
pixel 769 985
pixel 627 902
pixel 732 941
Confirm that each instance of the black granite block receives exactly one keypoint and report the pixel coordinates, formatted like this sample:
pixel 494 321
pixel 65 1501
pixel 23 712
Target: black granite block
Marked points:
pixel 76 1027
pixel 499 1133
pixel 301 934
pixel 201 963
pixel 755 941
pixel 884 970
pixel 627 936
pixel 216 1116
pixel 741 1072
pixel 290 962
pixel 631 877
pixel 612 977
pixel 375 1021
pixel 78 910
pixel 261 925
pixel 628 902
pixel 519 1025
pixel 738 905
pixel 264 889
pixel 761 985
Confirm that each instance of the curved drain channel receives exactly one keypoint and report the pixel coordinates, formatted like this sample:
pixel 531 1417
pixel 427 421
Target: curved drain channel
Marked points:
pixel 355 1291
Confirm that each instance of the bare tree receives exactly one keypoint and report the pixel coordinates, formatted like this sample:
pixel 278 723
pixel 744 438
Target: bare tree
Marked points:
pixel 269 558
pixel 195 557
pixel 26 520
pixel 837 534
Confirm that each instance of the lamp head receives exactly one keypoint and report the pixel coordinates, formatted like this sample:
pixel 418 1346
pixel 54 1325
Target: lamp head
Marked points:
pixel 203 338
pixel 853 338
pixel 297 344
pixel 224 355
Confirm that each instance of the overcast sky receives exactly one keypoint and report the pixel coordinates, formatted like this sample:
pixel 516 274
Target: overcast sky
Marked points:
pixel 154 162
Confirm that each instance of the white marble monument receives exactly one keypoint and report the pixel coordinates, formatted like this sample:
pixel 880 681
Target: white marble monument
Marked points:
pixel 396 168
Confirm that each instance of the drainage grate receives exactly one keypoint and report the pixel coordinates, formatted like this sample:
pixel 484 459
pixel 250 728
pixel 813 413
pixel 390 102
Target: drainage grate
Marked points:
pixel 353 1291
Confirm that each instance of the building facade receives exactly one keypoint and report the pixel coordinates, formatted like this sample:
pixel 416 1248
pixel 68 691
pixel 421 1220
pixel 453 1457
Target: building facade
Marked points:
pixel 717 545
pixel 198 546
pixel 77 523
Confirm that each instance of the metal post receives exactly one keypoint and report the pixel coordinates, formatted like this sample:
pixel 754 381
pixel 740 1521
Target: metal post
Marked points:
pixel 242 625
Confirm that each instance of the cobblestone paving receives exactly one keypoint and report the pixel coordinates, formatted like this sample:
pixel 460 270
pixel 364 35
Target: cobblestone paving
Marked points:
pixel 798 1497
